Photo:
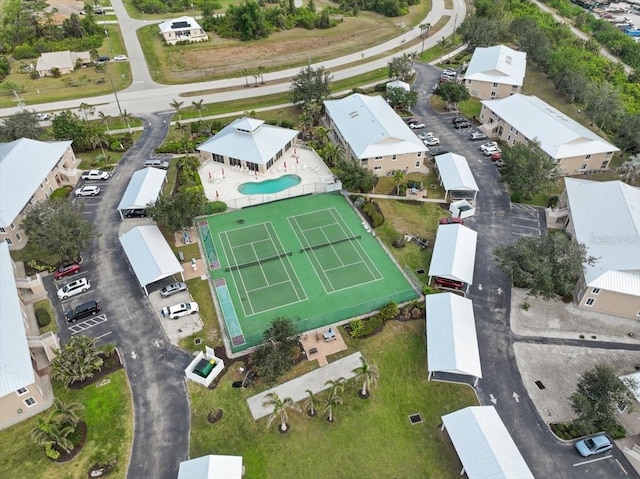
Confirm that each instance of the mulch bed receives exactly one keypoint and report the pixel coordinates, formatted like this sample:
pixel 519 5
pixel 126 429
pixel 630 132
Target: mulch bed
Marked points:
pixel 111 363
pixel 80 439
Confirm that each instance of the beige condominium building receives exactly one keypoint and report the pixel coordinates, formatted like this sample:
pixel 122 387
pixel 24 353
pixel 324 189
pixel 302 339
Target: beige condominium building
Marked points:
pixel 30 171
pixel 605 217
pixel 521 119
pixel 495 72
pixel 25 355
pixel 373 135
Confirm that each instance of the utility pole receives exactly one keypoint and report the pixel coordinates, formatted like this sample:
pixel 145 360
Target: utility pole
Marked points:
pixel 116 95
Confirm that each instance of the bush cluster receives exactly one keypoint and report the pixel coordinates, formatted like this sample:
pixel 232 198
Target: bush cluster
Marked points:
pixel 372 213
pixel 43 317
pixel 214 207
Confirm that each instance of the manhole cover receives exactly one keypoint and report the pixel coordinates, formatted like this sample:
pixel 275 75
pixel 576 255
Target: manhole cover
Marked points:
pixel 540 385
pixel 415 418
pixel 197 341
pixel 420 271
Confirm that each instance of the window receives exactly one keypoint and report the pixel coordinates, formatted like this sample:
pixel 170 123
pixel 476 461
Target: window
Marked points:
pixel 377 168
pixel 604 164
pixel 590 302
pixel 583 167
pixel 18 237
pixel 493 94
pixel 495 85
pixel 378 158
pixel 394 157
pixel 417 164
pixel 9 242
pixel 511 129
pixel 2 230
pixel 22 391
pixel 514 87
pixel 587 157
pixel 509 138
pixel 30 401
pixel 46 180
pixel 419 154
pixel 469 82
pixel 595 290
pixel 12 226
pixel 42 186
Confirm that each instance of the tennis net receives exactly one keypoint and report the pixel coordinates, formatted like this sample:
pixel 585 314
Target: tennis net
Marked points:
pixel 236 267
pixel 329 243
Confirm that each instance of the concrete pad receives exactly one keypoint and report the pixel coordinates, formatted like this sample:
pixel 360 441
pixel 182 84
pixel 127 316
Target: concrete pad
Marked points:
pixel 314 381
pixel 176 329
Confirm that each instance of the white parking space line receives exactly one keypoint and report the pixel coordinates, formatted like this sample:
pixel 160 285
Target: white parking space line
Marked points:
pixel 103 335
pixel 623 469
pixel 87 324
pixel 592 460
pixel 527 226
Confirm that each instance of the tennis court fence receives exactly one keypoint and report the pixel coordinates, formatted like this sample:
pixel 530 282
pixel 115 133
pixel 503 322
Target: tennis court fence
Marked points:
pixel 336 316
pixel 236 267
pixel 329 243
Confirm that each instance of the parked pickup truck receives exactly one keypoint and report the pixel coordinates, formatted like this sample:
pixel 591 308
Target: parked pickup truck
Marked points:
pixel 95 175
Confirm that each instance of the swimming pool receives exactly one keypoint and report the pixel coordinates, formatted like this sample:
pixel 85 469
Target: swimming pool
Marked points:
pixel 269 186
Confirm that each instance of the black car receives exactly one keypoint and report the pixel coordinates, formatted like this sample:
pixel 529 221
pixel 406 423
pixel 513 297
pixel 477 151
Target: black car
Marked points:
pixel 83 310
pixel 462 124
pixel 137 213
pixel 102 59
pixel 438 150
pixel 458 119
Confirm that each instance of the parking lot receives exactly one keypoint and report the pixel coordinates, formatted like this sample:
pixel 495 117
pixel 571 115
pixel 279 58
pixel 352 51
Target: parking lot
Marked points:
pixel 527 220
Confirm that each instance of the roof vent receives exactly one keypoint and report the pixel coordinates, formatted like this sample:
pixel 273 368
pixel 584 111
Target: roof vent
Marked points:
pixel 353 114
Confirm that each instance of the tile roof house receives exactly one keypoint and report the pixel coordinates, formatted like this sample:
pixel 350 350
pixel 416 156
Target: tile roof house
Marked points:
pixel 605 217
pixel 30 171
pixel 521 118
pixel 249 143
pixel 183 29
pixel 495 72
pixel 65 62
pixel 373 135
pixel 24 354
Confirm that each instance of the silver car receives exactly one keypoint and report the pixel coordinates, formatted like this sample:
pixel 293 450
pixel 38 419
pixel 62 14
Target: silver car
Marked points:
pixel 178 310
pixel 173 288
pixel 88 191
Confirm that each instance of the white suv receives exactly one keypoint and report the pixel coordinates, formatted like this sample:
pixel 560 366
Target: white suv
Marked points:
pixel 178 310
pixel 75 287
pixel 88 191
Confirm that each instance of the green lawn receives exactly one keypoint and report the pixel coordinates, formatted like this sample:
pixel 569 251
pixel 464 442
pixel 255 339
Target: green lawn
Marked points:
pixel 109 427
pixel 210 333
pixel 371 438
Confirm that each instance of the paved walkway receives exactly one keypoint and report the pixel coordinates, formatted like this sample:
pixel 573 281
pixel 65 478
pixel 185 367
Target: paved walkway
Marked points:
pixel 314 381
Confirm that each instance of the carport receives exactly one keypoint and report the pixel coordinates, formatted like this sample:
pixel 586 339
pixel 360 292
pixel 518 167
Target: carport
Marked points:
pixel 149 255
pixel 452 344
pixel 144 187
pixel 484 445
pixel 454 253
pixel 456 177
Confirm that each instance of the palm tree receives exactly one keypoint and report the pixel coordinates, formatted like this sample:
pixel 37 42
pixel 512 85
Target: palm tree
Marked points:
pixel 177 105
pixel 398 177
pixel 126 117
pixel 368 374
pixel 311 404
pixel 198 105
pixel 105 120
pixel 261 71
pixel 66 413
pixel 280 407
pixel 336 387
pixel 245 74
pixel 48 431
pixel 320 136
pixel 77 360
pixel 256 75
pixel 444 43
pixel 333 153
pixel 86 110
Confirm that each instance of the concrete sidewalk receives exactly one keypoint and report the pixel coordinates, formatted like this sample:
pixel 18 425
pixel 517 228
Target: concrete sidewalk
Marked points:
pixel 314 381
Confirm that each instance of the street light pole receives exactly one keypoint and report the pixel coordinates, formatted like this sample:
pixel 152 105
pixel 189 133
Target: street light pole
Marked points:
pixel 116 95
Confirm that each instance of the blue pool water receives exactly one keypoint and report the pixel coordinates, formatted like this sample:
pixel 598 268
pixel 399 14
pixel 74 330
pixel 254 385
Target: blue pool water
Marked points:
pixel 269 186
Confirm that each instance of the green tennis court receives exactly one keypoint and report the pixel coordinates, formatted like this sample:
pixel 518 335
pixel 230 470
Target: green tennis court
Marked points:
pixel 308 258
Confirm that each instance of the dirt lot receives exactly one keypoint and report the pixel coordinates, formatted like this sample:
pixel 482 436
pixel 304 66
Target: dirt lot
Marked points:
pixel 64 9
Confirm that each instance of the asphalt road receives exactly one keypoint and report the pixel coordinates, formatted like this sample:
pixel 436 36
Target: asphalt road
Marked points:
pixel 497 222
pixel 154 367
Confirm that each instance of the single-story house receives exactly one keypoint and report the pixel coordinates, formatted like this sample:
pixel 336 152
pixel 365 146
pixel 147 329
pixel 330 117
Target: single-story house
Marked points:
pixel 30 171
pixel 373 135
pixel 495 72
pixel 452 343
pixel 144 188
pixel 456 177
pixel 484 446
pixel 65 62
pixel 183 29
pixel 605 217
pixel 212 467
pixel 150 255
pixel 522 118
pixel 249 143
pixel 24 381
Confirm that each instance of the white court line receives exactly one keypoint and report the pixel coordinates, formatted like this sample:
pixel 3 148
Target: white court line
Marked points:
pixel 268 286
pixel 592 460
pixel 282 259
pixel 235 283
pixel 303 240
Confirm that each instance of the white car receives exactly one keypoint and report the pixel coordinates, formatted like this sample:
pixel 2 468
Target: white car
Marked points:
pixel 120 58
pixel 431 141
pixel 178 310
pixel 75 287
pixel 490 151
pixel 425 135
pixel 417 126
pixel 88 191
pixel 95 175
pixel 487 145
pixel 42 116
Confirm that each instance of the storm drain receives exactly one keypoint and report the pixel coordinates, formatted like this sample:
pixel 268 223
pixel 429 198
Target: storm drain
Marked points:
pixel 197 341
pixel 540 385
pixel 415 419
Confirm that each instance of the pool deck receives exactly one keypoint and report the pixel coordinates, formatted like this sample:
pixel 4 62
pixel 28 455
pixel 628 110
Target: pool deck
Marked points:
pixel 224 187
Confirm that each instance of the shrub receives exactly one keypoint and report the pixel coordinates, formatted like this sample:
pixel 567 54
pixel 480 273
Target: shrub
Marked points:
pixel 389 311
pixel 214 207
pixel 43 317
pixel 51 452
pixel 371 325
pixel 553 201
pixel 375 217
pixel 428 289
pixel 356 328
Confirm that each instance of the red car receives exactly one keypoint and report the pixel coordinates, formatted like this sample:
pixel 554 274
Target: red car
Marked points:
pixel 449 283
pixel 496 156
pixel 66 269
pixel 450 221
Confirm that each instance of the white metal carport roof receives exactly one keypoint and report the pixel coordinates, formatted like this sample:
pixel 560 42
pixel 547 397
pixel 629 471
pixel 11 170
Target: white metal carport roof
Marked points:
pixel 455 174
pixel 149 255
pixel 452 344
pixel 211 467
pixel 484 445
pixel 144 187
pixel 454 253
